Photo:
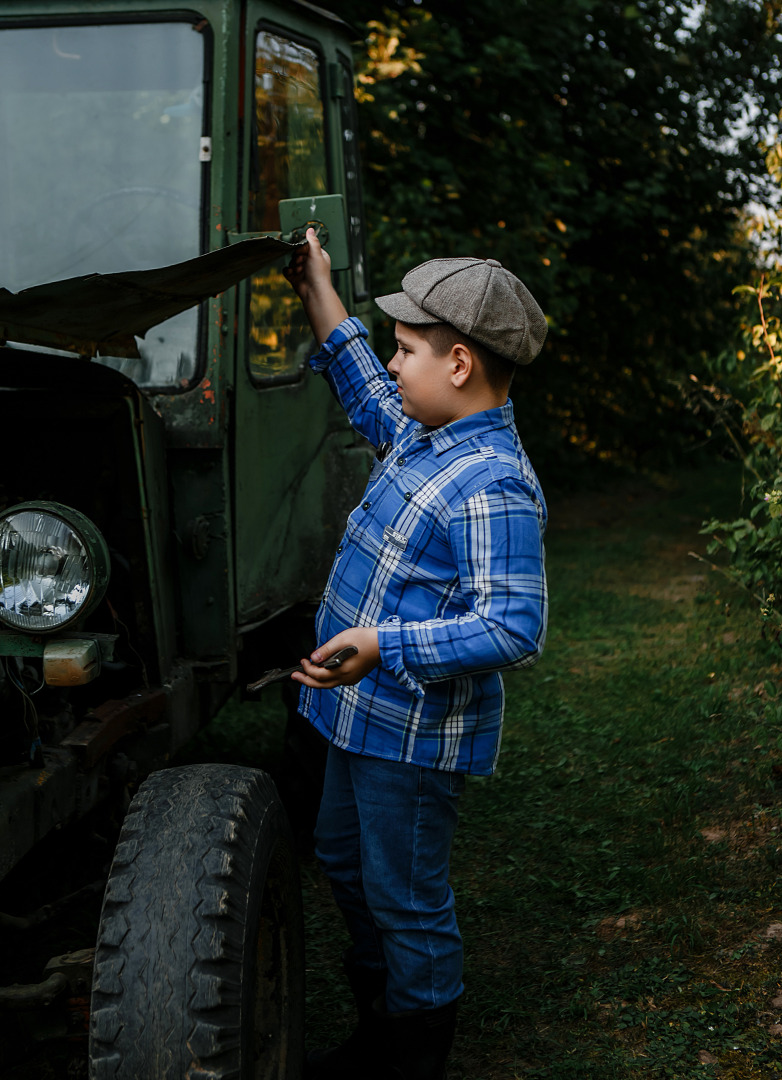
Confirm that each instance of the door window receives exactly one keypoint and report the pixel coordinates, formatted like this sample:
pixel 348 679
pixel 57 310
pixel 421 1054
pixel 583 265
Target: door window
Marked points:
pixel 288 160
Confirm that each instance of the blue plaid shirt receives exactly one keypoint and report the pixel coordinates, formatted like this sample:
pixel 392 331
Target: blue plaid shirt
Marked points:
pixel 444 554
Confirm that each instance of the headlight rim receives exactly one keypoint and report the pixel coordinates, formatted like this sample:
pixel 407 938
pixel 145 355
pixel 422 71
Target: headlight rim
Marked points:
pixel 99 562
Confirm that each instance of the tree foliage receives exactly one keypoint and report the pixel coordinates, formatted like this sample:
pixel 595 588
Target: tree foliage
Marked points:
pixel 602 151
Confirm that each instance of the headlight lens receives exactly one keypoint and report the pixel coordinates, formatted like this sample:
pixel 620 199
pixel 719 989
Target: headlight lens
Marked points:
pixel 54 567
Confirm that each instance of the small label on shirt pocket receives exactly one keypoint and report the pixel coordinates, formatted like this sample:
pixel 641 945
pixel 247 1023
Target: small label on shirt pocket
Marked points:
pixel 397 539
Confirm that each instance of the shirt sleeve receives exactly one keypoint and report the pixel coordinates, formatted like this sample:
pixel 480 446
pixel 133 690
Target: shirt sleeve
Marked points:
pixel 359 382
pixel 496 538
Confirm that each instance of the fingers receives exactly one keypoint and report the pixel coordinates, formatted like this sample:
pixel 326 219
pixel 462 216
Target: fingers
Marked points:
pixel 314 243
pixel 318 677
pixel 353 668
pixel 310 266
pixel 318 259
pixel 294 271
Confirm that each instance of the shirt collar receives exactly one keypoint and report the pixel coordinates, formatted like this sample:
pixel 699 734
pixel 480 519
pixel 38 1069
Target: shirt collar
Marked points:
pixel 444 438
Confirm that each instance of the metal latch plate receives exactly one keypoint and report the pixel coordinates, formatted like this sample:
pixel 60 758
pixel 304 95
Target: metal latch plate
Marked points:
pixel 328 209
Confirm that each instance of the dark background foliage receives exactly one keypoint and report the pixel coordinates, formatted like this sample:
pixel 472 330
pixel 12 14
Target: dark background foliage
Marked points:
pixel 605 153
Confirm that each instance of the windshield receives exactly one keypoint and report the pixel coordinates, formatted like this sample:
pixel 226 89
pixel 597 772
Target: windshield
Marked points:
pixel 101 133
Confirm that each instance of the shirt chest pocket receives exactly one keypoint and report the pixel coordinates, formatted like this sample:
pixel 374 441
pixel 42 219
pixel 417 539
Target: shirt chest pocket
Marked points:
pixel 406 531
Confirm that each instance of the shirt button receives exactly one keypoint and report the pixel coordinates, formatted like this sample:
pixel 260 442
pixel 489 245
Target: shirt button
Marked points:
pixel 408 496
pixel 339 549
pixel 366 506
pixel 400 461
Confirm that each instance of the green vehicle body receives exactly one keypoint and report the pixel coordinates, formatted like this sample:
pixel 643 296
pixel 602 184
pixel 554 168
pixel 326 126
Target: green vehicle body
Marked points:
pixel 221 479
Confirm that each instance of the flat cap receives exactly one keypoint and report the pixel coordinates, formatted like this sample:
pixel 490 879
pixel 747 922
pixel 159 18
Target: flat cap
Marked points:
pixel 479 297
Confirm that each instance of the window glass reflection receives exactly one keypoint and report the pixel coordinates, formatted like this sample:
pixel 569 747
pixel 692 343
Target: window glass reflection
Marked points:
pixel 288 161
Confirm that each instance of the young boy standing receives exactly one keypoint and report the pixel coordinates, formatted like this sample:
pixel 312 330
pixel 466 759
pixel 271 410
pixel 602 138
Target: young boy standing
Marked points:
pixel 439 582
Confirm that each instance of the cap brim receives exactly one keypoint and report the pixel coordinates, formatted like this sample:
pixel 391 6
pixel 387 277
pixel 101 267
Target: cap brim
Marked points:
pixel 400 307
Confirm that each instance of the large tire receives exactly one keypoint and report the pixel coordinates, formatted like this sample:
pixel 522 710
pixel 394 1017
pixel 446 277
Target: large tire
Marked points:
pixel 199 968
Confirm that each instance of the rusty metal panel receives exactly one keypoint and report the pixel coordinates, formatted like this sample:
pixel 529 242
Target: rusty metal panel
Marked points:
pixel 200 498
pixel 293 495
pixel 16 644
pixel 111 721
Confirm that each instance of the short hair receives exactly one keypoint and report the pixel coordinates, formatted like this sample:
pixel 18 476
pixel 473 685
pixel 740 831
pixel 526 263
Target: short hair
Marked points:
pixel 442 337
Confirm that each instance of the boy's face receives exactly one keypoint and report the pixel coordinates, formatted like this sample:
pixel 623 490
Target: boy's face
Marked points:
pixel 422 378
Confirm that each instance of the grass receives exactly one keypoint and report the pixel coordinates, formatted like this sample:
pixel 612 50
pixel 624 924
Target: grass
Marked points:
pixel 617 880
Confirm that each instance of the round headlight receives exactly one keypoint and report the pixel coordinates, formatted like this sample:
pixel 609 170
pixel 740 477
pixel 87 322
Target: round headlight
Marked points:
pixel 54 567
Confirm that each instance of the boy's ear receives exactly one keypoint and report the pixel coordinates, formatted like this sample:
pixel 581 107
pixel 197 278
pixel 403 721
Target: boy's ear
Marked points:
pixel 462 365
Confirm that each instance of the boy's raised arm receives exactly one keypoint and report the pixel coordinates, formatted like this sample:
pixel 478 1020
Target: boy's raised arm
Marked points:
pixel 309 273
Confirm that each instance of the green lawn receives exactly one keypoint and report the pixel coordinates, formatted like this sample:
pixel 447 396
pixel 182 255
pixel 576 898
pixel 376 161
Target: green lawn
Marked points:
pixel 617 880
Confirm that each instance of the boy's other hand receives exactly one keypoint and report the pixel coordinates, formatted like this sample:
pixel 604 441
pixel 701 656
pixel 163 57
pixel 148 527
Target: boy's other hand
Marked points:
pixel 309 273
pixel 352 670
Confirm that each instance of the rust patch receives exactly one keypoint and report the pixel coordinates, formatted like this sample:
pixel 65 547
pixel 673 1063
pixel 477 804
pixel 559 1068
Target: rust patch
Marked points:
pixel 95 735
pixel 207 395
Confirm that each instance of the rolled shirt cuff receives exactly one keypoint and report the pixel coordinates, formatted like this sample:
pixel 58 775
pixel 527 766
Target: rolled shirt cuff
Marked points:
pixel 389 636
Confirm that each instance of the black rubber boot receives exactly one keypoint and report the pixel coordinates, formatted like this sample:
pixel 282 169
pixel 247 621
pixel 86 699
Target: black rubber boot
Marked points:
pixel 418 1043
pixel 356 1058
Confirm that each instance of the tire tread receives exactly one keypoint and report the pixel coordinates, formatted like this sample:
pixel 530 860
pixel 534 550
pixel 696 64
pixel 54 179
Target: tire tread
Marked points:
pixel 176 906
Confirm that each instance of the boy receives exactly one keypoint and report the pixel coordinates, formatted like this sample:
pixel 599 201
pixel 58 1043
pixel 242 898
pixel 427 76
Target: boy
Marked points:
pixel 439 582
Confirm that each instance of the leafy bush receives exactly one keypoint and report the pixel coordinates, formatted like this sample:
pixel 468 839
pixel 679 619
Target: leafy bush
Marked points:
pixel 754 540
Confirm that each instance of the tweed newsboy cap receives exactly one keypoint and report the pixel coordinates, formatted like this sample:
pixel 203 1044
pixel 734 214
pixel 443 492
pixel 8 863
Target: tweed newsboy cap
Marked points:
pixel 479 297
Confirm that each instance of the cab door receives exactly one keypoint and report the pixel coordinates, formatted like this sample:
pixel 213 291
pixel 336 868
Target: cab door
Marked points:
pixel 297 468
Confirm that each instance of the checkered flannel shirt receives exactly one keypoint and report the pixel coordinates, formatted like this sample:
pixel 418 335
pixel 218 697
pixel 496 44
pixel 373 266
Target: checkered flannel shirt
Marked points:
pixel 444 554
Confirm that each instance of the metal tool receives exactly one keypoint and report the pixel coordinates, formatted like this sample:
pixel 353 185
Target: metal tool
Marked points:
pixel 278 674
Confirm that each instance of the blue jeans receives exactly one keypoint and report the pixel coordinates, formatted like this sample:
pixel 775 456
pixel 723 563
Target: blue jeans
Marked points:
pixel 383 838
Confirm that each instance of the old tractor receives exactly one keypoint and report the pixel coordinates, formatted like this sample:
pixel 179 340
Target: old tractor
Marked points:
pixel 174 484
